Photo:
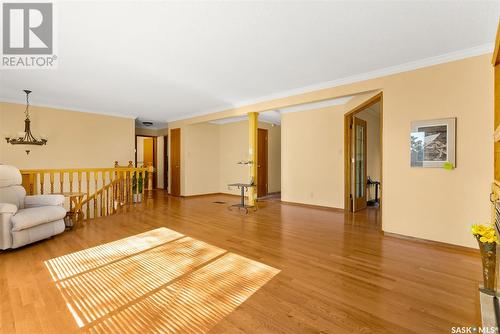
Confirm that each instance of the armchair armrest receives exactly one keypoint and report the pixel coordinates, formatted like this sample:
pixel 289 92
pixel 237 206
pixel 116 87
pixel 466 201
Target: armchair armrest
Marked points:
pixel 43 200
pixel 8 208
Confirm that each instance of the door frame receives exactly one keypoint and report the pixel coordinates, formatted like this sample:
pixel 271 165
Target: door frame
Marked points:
pixel 266 171
pixel 165 163
pixel 155 157
pixel 348 118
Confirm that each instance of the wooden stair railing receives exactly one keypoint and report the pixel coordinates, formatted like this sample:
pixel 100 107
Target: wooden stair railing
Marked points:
pixel 118 185
pixel 104 201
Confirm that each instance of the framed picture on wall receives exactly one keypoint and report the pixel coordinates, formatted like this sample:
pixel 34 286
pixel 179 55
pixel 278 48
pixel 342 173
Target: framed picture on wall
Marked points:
pixel 432 142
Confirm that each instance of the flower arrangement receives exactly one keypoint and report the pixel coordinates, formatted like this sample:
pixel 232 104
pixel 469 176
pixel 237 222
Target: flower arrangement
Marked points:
pixel 485 233
pixel 487 238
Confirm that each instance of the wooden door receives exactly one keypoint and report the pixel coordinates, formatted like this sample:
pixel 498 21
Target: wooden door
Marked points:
pixel 175 162
pixel 262 162
pixel 165 162
pixel 359 162
pixel 149 158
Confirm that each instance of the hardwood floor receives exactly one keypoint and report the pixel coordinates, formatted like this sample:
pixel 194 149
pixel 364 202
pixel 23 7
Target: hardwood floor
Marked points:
pixel 337 275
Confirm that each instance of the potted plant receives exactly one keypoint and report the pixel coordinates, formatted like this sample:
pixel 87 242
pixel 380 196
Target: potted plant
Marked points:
pixel 137 184
pixel 487 240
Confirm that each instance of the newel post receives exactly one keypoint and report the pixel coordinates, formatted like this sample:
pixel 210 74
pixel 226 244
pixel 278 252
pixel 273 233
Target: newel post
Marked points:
pixel 150 181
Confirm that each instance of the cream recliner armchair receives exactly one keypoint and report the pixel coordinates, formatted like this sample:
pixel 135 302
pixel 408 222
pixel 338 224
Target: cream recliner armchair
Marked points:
pixel 26 219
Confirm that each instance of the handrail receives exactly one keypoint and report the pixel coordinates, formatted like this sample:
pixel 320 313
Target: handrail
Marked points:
pixel 93 182
pixel 108 202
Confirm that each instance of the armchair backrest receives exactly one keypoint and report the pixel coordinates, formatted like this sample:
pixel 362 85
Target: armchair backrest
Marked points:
pixel 11 189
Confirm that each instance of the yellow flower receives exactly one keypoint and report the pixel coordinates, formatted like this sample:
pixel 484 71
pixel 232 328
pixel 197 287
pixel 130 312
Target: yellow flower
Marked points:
pixel 490 239
pixel 479 229
pixel 486 233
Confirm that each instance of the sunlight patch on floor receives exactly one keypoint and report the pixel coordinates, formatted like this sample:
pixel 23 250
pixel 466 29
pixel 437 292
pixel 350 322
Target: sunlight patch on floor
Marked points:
pixel 158 281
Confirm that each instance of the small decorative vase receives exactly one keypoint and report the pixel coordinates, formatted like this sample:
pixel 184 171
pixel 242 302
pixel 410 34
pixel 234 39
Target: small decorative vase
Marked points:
pixel 488 256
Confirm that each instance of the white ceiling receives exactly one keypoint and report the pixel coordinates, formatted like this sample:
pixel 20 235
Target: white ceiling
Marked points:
pixel 271 116
pixel 165 61
pixel 274 116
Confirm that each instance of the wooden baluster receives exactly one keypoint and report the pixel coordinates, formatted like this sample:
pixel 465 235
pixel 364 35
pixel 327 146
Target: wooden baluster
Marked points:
pixel 136 192
pixel 70 181
pixel 150 181
pixel 103 179
pixel 61 181
pixel 116 194
pixel 124 186
pixel 131 175
pixel 42 182
pixel 143 182
pixel 102 202
pixel 130 180
pixel 96 180
pixel 95 206
pixel 106 201
pixel 87 180
pixel 110 195
pixel 79 181
pixel 31 184
pixel 51 182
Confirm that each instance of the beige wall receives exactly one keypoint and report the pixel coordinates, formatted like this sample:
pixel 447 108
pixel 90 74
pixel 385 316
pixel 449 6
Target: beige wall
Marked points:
pixel 75 139
pixel 234 148
pixel 210 152
pixel 200 159
pixel 233 143
pixel 312 157
pixel 140 151
pixel 312 145
pixel 427 203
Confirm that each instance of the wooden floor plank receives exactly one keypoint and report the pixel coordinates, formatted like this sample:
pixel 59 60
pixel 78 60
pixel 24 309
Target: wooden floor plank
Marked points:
pixel 339 274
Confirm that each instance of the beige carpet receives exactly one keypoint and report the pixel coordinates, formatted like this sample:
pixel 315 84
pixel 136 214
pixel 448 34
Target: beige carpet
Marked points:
pixel 159 281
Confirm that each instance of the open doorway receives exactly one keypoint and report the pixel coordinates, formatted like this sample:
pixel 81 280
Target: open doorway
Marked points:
pixel 269 156
pixel 363 157
pixel 146 154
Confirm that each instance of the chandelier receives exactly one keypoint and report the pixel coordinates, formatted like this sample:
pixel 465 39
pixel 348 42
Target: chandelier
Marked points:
pixel 26 137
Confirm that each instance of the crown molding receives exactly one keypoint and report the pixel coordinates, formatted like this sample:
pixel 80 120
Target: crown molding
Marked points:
pixel 405 67
pixel 65 108
pixel 386 71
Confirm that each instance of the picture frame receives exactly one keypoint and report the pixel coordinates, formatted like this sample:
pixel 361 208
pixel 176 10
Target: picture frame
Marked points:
pixel 433 143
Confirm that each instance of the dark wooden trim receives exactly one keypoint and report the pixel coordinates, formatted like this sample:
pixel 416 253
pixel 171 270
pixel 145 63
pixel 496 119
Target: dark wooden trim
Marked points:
pixel 496 54
pixel 209 194
pixel 263 160
pixel 431 242
pixel 177 133
pixel 165 162
pixel 274 193
pixel 313 206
